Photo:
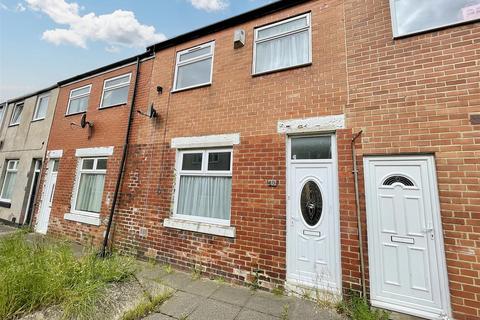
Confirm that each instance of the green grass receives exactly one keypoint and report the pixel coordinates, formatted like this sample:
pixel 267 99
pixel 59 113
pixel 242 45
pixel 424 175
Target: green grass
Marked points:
pixel 147 307
pixel 36 275
pixel 357 308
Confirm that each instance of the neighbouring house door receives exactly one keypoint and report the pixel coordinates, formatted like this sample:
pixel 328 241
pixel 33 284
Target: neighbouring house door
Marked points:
pixel 33 191
pixel 405 240
pixel 313 240
pixel 47 199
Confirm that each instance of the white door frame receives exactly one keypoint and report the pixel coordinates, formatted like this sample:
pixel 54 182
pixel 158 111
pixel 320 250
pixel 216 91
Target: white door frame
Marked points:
pixel 291 283
pixel 45 194
pixel 437 227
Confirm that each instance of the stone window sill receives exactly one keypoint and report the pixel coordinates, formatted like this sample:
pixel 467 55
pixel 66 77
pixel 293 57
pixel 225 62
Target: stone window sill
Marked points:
pixel 95 221
pixel 218 230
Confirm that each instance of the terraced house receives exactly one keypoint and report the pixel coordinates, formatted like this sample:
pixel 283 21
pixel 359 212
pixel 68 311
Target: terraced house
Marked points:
pixel 86 147
pixel 24 129
pixel 322 144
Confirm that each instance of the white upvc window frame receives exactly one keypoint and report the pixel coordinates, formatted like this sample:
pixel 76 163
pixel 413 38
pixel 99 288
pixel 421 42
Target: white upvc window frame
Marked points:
pixel 81 171
pixel 203 172
pixel 307 15
pixel 7 170
pixel 89 86
pixel 118 86
pixel 3 108
pixel 22 104
pixel 39 99
pixel 179 64
pixel 429 29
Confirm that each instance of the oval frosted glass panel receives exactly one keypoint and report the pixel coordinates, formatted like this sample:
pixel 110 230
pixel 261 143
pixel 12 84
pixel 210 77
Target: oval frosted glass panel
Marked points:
pixel 311 148
pixel 311 203
pixel 193 74
pixel 192 161
pixel 411 16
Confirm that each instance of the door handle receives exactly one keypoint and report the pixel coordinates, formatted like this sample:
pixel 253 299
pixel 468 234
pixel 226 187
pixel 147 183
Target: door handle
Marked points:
pixel 427 230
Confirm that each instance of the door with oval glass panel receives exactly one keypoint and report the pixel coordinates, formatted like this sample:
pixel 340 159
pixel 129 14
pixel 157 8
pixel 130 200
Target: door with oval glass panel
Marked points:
pixel 313 238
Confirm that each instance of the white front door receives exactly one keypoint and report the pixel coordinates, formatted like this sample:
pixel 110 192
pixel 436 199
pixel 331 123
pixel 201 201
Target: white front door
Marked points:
pixel 405 242
pixel 313 249
pixel 47 199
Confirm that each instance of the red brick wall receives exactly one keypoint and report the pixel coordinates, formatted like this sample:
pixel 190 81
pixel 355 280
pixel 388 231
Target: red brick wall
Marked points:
pixel 109 129
pixel 236 102
pixel 415 95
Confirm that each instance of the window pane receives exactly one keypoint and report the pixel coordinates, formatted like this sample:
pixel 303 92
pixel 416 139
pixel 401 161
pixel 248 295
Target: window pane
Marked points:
pixel 102 164
pixel 194 73
pixel 8 185
pixel 90 191
pixel 55 166
pixel 283 28
pixel 311 148
pixel 42 107
pixel 115 97
pixel 12 164
pixel 114 82
pixel 87 164
pixel 413 16
pixel 192 161
pixel 17 113
pixel 78 92
pixel 78 105
pixel 283 52
pixel 205 197
pixel 195 53
pixel 219 161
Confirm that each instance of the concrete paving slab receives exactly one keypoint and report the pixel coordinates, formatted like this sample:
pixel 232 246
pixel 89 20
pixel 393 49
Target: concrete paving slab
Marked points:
pixel 151 271
pixel 158 316
pixel 247 314
pixel 269 303
pixel 177 280
pixel 181 304
pixel 303 309
pixel 234 295
pixel 204 288
pixel 6 230
pixel 215 310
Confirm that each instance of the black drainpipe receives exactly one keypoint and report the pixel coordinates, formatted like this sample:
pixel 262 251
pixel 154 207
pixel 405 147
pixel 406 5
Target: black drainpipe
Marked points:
pixel 103 252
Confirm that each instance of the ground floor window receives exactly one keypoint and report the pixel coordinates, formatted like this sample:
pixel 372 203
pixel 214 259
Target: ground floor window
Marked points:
pixel 204 185
pixel 89 189
pixel 9 180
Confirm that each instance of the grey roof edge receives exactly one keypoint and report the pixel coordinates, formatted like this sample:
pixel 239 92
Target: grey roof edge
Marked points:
pixel 28 95
pixel 227 23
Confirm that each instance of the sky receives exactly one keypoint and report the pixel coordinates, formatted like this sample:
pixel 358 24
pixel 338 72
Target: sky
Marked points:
pixel 45 41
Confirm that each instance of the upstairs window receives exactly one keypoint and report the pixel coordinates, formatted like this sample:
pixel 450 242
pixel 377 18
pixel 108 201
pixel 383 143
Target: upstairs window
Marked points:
pixel 89 191
pixel 115 91
pixel 41 108
pixel 194 67
pixel 204 186
pixel 78 101
pixel 17 114
pixel 283 45
pixel 414 16
pixel 9 180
